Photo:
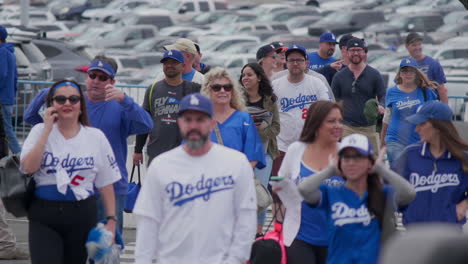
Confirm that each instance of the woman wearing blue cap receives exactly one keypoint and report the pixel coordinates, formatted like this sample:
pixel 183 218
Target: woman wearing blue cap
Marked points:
pixel 413 88
pixel 437 167
pixel 355 210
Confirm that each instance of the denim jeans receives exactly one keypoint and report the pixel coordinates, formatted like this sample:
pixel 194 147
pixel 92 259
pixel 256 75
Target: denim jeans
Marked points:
pixel 119 207
pixel 263 175
pixel 13 144
pixel 394 150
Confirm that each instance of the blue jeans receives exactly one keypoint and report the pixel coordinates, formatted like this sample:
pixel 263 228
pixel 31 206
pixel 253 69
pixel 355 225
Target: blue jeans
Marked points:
pixel 394 150
pixel 13 144
pixel 119 207
pixel 263 175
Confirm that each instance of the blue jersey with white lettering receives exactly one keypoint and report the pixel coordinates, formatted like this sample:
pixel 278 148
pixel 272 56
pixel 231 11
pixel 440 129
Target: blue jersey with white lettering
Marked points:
pixel 403 105
pixel 440 183
pixel 239 132
pixel 354 232
pixel 313 228
pixel 316 62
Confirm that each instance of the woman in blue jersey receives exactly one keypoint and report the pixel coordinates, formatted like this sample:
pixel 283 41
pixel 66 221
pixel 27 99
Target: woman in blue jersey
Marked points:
pixel 413 88
pixel 234 126
pixel 319 139
pixel 69 160
pixel 261 103
pixel 355 210
pixel 437 167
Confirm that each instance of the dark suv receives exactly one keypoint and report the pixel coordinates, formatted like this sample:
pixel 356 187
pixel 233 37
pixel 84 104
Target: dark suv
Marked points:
pixel 342 22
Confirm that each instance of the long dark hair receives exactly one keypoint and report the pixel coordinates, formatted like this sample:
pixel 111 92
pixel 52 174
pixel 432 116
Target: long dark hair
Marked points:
pixel 316 114
pixel 83 118
pixel 375 194
pixel 264 87
pixel 450 139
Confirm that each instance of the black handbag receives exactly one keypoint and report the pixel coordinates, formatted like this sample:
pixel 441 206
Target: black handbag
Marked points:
pixel 16 188
pixel 133 191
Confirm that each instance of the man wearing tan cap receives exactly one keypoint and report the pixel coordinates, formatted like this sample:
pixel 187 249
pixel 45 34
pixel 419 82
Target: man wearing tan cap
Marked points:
pixel 187 47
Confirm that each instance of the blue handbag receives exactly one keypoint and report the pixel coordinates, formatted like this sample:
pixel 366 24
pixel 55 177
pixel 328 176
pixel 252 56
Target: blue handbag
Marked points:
pixel 133 191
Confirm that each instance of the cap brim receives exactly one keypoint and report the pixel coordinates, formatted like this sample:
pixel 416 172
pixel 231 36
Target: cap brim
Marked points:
pixel 281 49
pixel 194 108
pixel 100 69
pixel 416 119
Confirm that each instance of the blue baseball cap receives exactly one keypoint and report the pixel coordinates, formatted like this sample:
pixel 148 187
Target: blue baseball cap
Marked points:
pixel 357 141
pixel 102 66
pixel 3 32
pixel 432 110
pixel 298 48
pixel 328 37
pixel 173 54
pixel 196 102
pixel 408 62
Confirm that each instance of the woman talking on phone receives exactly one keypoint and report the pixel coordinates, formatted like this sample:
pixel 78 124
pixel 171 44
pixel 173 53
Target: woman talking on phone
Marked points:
pixel 68 160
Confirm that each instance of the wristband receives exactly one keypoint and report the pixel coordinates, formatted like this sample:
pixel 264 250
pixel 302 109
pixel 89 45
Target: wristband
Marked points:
pixel 111 217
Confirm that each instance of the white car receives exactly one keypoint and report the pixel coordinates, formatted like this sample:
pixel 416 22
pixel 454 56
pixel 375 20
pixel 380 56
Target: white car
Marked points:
pixel 114 7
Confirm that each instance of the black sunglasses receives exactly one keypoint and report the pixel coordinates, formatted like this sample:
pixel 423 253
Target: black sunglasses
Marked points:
pixel 217 87
pixel 61 99
pixel 102 78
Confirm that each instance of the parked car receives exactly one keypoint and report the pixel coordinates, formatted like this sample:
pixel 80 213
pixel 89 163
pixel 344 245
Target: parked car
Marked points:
pixel 185 10
pixel 285 15
pixel 126 37
pixel 114 7
pixel 72 9
pixel 64 58
pixel 420 22
pixel 342 22
pixel 159 18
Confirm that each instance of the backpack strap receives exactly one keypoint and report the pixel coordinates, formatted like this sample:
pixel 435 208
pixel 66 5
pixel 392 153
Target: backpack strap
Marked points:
pixel 151 96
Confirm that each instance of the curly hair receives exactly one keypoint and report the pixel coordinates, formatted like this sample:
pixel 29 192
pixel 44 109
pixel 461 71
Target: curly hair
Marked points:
pixel 264 86
pixel 237 95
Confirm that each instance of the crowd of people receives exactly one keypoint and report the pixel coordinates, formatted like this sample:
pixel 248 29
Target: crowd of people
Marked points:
pixel 308 118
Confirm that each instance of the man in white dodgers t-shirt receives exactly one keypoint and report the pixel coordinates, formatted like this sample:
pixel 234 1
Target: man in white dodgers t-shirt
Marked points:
pixel 197 203
pixel 296 92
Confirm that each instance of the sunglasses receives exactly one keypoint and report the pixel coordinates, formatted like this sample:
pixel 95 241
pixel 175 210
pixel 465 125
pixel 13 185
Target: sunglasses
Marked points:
pixel 217 87
pixel 102 78
pixel 61 99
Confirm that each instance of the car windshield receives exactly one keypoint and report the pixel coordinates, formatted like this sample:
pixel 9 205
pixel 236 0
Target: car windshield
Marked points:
pixel 398 21
pixel 336 18
pixel 228 18
pixel 146 45
pixel 131 63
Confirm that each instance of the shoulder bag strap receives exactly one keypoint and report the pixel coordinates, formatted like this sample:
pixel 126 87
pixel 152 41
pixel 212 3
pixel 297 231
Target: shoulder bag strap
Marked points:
pixel 151 96
pixel 218 134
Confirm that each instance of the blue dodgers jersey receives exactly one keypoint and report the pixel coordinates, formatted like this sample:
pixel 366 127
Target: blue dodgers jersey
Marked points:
pixel 439 184
pixel 403 105
pixel 316 62
pixel 239 132
pixel 432 69
pixel 354 233
pixel 313 228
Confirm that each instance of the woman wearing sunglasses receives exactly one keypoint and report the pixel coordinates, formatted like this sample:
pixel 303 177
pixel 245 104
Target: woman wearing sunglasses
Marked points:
pixel 261 102
pixel 413 88
pixel 234 127
pixel 68 160
pixel 355 210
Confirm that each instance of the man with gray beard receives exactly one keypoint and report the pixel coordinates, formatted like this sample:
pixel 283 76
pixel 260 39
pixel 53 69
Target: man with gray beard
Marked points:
pixel 198 202
pixel 162 103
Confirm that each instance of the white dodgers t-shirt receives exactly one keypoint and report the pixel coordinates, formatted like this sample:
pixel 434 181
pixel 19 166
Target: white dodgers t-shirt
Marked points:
pixel 81 162
pixel 195 202
pixel 293 102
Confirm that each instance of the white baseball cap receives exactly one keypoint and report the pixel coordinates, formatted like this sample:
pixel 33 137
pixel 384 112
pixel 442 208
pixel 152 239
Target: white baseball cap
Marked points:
pixel 357 141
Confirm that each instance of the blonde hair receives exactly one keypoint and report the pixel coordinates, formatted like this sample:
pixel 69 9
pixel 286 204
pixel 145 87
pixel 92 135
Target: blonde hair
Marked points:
pixel 421 79
pixel 237 95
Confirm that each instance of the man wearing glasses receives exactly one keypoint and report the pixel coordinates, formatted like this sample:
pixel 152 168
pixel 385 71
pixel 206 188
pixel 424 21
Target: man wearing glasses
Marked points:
pixel 296 91
pixel 113 112
pixel 162 101
pixel 354 86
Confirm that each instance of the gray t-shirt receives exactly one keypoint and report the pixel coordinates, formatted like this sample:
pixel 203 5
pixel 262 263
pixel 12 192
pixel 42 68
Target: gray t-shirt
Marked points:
pixel 163 108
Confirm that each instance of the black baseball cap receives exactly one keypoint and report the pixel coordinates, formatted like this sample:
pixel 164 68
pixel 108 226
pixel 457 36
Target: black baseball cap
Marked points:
pixel 413 36
pixel 344 40
pixel 264 51
pixel 355 43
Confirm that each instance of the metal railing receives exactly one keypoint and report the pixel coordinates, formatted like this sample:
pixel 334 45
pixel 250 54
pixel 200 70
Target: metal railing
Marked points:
pixel 28 89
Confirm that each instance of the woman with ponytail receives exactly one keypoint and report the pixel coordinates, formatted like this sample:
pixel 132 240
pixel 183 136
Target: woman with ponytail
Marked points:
pixel 355 210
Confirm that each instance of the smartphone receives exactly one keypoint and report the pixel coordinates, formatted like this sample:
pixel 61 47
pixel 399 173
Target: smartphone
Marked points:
pixel 276 178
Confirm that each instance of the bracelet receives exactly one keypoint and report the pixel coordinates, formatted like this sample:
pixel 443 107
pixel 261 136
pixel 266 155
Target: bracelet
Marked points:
pixel 111 217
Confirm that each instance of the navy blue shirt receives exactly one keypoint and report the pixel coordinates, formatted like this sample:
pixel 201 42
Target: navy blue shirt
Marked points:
pixel 355 92
pixel 329 72
pixel 440 184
